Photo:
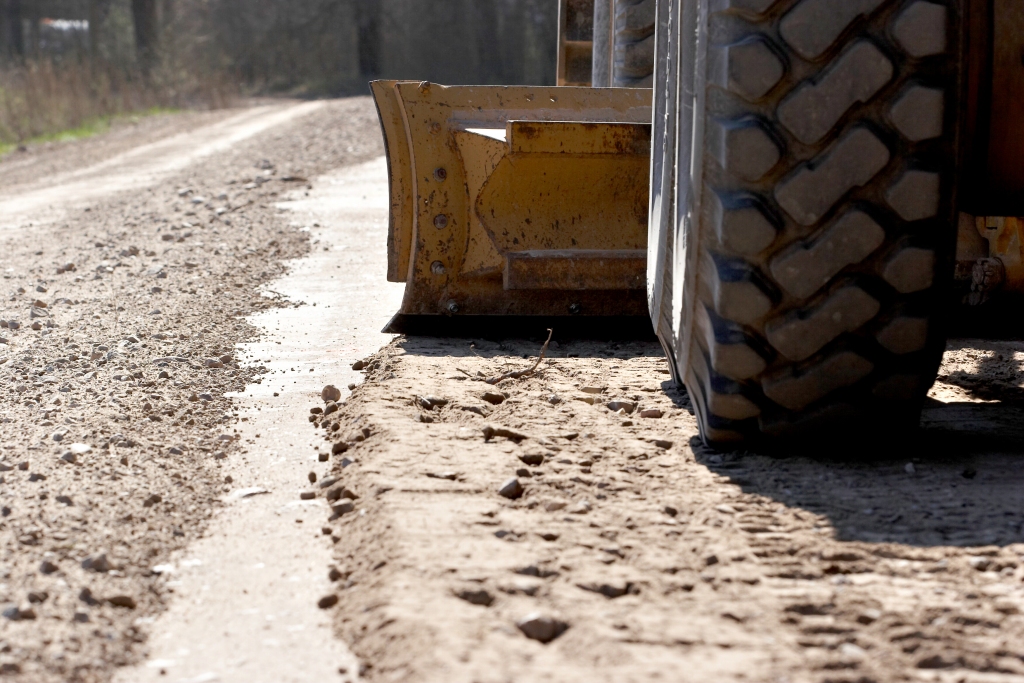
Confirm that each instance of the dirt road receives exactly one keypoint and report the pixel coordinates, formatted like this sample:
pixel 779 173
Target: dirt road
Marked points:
pixel 166 528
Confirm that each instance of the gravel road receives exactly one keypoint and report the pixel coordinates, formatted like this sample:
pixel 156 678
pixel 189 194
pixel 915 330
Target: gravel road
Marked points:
pixel 161 359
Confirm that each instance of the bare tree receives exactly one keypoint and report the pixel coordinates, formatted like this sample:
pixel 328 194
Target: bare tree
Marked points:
pixel 147 32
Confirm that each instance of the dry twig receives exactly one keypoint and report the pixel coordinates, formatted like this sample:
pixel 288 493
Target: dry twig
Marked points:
pixel 518 374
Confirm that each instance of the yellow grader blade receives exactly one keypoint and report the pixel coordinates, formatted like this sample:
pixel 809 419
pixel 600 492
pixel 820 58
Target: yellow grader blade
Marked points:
pixel 517 201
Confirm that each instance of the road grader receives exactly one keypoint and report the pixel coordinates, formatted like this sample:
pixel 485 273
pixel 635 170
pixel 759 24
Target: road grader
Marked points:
pixel 795 193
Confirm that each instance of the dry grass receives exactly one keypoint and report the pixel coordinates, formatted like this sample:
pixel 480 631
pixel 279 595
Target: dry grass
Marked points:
pixel 44 99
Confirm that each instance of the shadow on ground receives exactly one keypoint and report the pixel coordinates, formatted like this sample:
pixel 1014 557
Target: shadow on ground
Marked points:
pixel 958 481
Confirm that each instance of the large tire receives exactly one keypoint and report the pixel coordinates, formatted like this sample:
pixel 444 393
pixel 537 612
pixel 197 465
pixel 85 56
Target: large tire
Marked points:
pixel 634 43
pixel 807 237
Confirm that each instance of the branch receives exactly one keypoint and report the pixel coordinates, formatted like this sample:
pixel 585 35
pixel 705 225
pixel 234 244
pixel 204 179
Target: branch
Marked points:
pixel 518 374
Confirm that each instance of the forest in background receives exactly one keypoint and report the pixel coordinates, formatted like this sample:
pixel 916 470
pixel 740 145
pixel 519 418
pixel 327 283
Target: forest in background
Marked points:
pixel 65 64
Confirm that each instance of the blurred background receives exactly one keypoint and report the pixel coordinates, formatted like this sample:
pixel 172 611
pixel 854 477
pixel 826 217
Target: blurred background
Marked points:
pixel 69 66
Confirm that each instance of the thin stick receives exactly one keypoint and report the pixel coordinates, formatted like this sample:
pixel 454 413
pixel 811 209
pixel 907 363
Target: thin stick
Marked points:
pixel 518 374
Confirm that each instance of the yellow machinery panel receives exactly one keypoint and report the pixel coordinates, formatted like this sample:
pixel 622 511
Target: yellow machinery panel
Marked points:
pixel 517 200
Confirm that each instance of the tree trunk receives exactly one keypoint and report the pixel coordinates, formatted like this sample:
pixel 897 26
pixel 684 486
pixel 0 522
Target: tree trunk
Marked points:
pixel 16 30
pixel 94 30
pixel 368 20
pixel 146 32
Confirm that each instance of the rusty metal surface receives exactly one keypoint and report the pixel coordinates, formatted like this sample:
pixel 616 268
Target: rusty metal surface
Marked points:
pixel 569 269
pixel 491 171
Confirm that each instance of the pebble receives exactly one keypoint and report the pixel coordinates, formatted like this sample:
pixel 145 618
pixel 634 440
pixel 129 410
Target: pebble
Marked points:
pixel 511 489
pixel 493 398
pixel 626 406
pixel 80 448
pixel 909 468
pixel 96 563
pixel 592 390
pixel 125 601
pixel 344 507
pixel 330 393
pixel 540 627
pixel 47 567
pixel 359 365
pixel 312 477
pixel 327 601
pixel 307 495
pixel 652 413
pixel 476 596
pixel 152 500
pixel 532 459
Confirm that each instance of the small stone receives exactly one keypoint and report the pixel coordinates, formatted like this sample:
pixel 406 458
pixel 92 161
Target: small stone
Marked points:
pixel 96 563
pixel 540 627
pixel 425 419
pixel 47 567
pixel 359 365
pixel 493 398
pixel 64 500
pixel 81 618
pixel 126 601
pixel 652 413
pixel 152 500
pixel 662 443
pixel 330 393
pixel 511 489
pixel 312 477
pixel 331 408
pixel 909 468
pixel 670 511
pixel 476 596
pixel 307 495
pixel 339 448
pixel 327 602
pixel 323 457
pixel 580 508
pixel 344 507
pixel 335 574
pixel 626 406
pixel 38 597
pixel 549 536
pixel 532 459
pixel 80 448
pixel 69 457
pixel 592 390
pixel 352 387
pixel 523 472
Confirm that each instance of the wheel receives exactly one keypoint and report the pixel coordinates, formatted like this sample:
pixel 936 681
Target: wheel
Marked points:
pixel 634 44
pixel 801 248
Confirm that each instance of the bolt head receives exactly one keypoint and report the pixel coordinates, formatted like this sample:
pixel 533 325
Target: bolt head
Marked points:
pixel 440 174
pixel 437 268
pixel 453 307
pixel 440 221
pixel 574 309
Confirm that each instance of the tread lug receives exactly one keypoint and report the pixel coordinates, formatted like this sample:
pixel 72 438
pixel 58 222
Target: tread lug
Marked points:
pixel 806 268
pixel 815 107
pixel 748 68
pixel 743 223
pixel 733 353
pixel 813 26
pixel 904 335
pixel 921 29
pixel 796 389
pixel 915 196
pixel 744 147
pixel 736 290
pixel 910 270
pixel 799 336
pixel 918 113
pixel 816 187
